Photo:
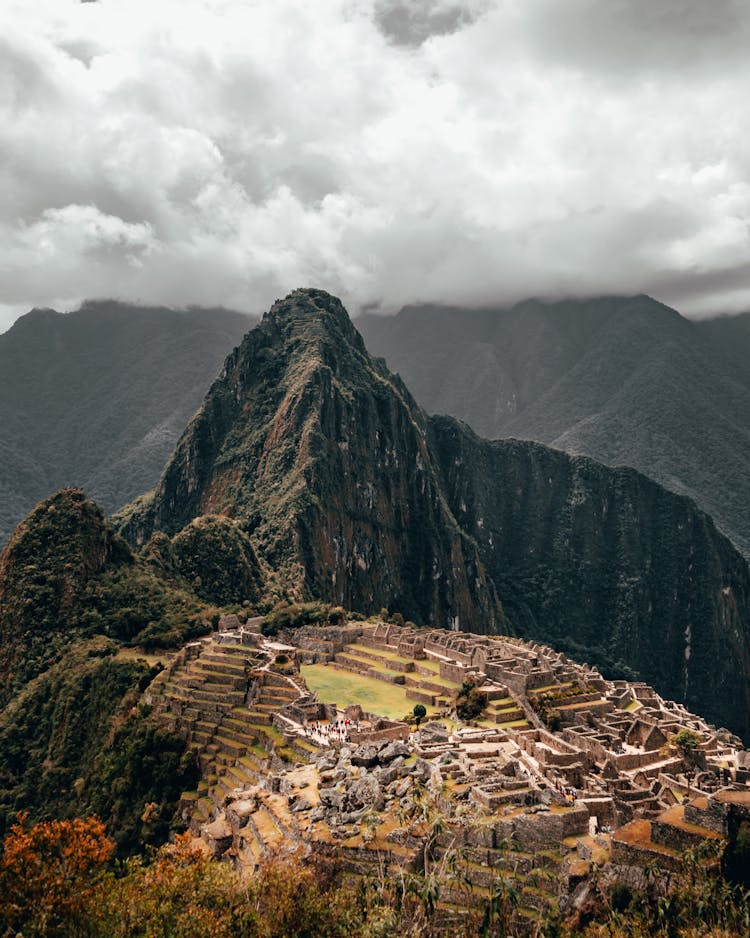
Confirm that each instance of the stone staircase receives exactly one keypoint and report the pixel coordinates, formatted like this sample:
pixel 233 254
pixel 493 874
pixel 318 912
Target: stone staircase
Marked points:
pixel 223 702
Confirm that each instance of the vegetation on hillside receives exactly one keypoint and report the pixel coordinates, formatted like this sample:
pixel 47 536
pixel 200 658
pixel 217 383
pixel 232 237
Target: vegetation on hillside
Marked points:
pixel 295 615
pixel 694 903
pixel 66 576
pixel 98 397
pixel 470 701
pixel 72 593
pixel 55 881
pixel 73 742
pixel 217 559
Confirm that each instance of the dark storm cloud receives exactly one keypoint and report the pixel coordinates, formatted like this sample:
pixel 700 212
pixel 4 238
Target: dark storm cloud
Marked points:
pixel 220 152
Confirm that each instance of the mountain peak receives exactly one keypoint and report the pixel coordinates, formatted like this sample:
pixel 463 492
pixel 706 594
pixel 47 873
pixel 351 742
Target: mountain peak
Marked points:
pixel 307 312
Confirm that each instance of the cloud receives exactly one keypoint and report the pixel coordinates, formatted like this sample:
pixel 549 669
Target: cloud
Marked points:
pixel 223 152
pixel 620 37
pixel 411 22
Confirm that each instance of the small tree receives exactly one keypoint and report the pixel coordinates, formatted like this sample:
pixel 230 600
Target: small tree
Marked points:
pixel 554 720
pixel 687 744
pixel 470 701
pixel 420 712
pixel 49 872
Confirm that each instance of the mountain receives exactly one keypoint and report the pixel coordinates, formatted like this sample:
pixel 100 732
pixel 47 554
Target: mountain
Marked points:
pixel 623 379
pixel 73 600
pixel 99 397
pixel 322 456
pixel 351 494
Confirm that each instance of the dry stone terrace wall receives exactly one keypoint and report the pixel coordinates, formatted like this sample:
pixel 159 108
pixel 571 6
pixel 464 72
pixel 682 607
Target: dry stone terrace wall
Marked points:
pixel 516 795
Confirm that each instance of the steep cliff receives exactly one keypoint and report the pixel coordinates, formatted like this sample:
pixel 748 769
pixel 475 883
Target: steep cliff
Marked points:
pixel 351 494
pixel 607 565
pixel 625 379
pixel 322 456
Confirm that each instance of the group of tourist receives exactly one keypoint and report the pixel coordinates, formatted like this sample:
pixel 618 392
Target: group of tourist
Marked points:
pixel 337 731
pixel 568 793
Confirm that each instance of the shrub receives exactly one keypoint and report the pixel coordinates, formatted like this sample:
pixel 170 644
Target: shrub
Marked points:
pixel 292 616
pixel 49 872
pixel 470 701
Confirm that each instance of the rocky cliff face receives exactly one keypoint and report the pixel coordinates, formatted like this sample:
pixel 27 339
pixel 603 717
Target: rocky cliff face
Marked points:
pixel 607 565
pixel 322 455
pixel 351 494
pixel 625 380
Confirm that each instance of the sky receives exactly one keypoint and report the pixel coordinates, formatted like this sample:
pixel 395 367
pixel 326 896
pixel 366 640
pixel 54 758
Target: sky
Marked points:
pixel 225 152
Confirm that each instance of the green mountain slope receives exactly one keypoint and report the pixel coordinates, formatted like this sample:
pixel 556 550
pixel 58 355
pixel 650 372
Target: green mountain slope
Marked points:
pixel 321 455
pixel 73 596
pixel 625 380
pixel 351 494
pixel 99 397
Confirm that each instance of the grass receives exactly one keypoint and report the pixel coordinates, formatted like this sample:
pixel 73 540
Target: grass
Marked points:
pixel 346 689
pixel 394 656
pixel 511 724
pixel 133 654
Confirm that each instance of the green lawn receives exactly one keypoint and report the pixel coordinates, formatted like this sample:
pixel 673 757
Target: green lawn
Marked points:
pixel 344 689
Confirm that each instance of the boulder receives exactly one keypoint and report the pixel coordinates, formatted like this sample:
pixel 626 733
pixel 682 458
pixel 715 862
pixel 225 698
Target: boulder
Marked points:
pixel 403 787
pixel 238 812
pixel 388 775
pixel 366 793
pixel 300 803
pixel 331 798
pixel 433 732
pixel 327 760
pixel 365 755
pixel 422 770
pixel 392 751
pixel 218 835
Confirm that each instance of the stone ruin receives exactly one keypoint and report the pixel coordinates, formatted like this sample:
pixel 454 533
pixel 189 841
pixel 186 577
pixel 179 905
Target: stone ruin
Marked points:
pixel 604 785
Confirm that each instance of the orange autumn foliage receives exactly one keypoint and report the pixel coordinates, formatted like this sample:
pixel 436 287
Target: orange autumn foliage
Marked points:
pixel 184 893
pixel 49 872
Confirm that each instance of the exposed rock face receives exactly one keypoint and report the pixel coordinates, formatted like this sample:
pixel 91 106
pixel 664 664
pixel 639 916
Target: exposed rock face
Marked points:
pixel 355 496
pixel 624 379
pixel 322 454
pixel 607 565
